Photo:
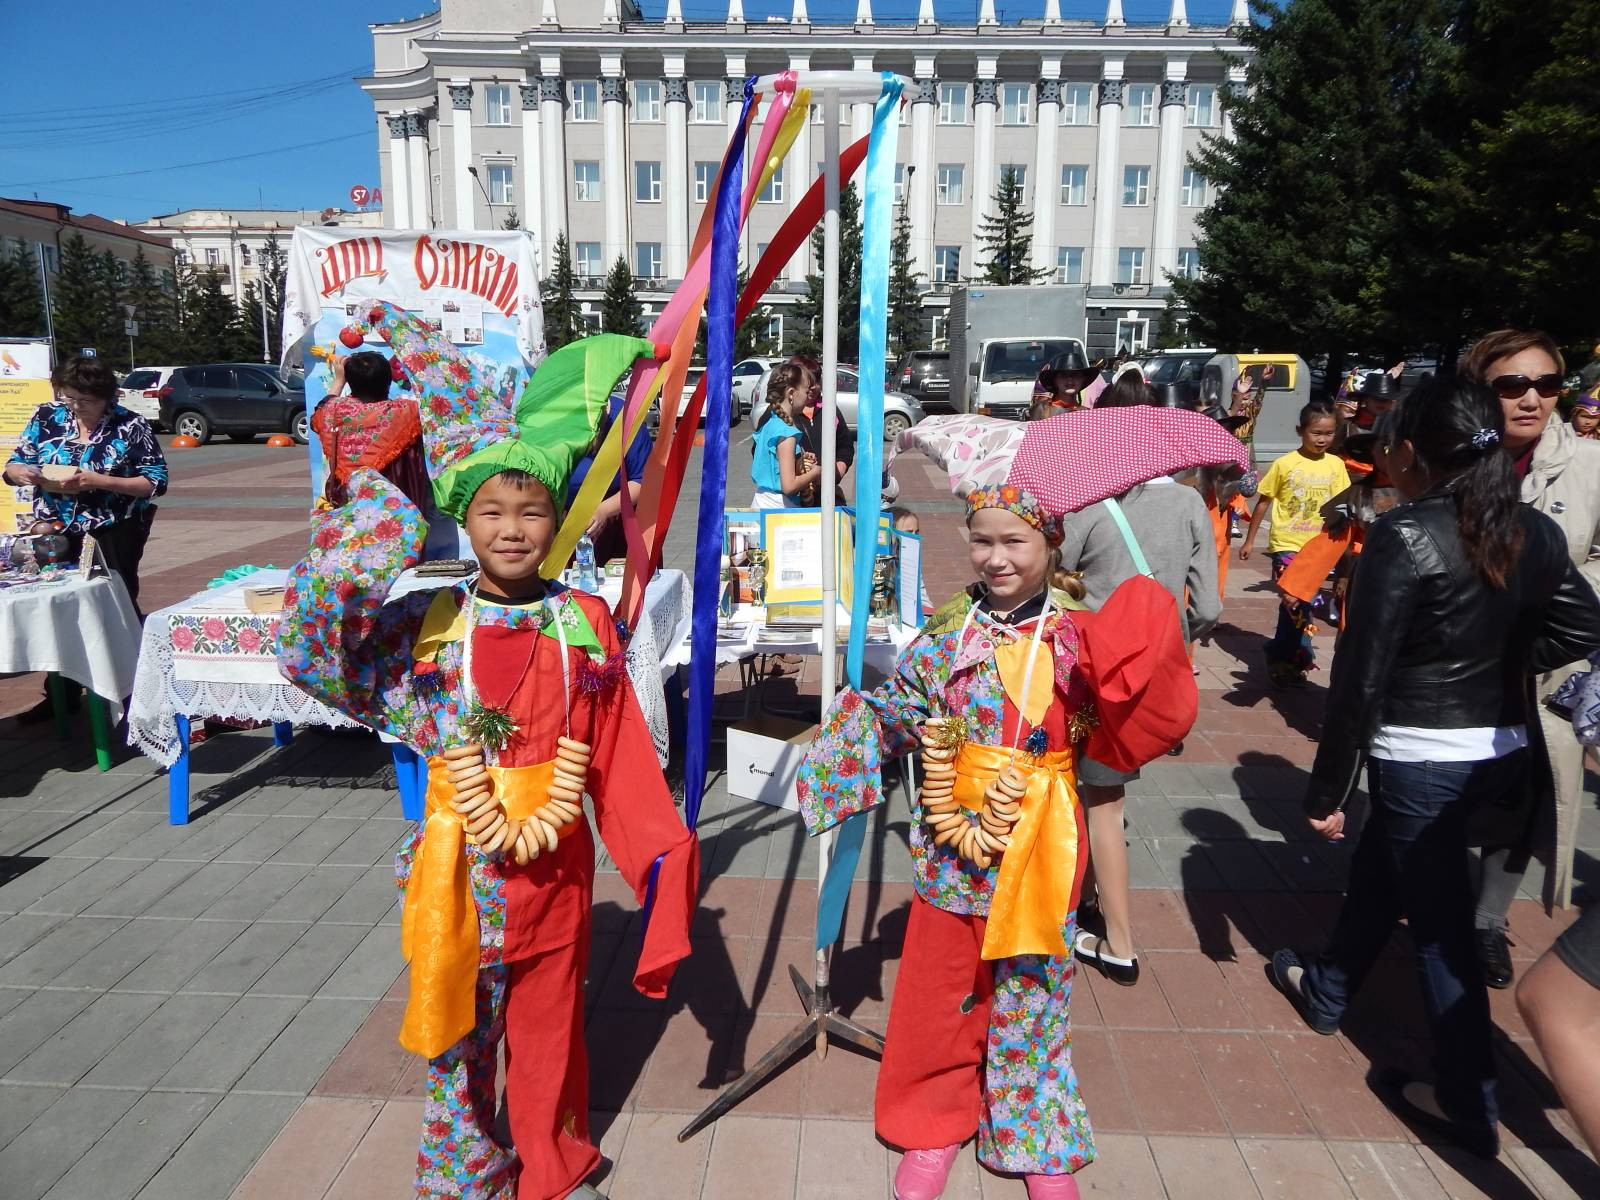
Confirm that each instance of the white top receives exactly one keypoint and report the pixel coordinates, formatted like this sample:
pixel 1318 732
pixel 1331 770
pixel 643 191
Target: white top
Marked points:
pixel 1407 743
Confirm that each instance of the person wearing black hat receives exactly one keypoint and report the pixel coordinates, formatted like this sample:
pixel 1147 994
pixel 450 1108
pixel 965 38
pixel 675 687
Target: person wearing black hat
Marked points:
pixel 1062 384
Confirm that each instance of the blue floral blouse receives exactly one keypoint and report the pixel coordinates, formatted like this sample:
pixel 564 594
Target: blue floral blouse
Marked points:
pixel 123 444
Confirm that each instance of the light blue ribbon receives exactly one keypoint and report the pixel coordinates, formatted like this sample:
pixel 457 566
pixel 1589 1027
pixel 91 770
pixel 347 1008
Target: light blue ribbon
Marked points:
pixel 876 237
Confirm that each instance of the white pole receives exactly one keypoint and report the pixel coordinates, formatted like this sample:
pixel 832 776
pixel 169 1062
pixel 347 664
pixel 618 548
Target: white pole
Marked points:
pixel 830 408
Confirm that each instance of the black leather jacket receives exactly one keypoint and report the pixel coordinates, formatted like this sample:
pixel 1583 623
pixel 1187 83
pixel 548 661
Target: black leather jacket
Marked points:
pixel 1429 644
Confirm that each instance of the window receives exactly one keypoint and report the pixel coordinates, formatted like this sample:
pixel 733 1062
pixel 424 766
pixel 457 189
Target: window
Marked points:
pixel 816 114
pixel 952 104
pixel 244 255
pixel 647 260
pixel 1077 100
pixel 1194 188
pixel 952 177
pixel 1069 264
pixel 940 325
pixel 774 332
pixel 647 100
pixel 1188 263
pixel 1130 264
pixel 761 250
pixel 1015 103
pixel 1133 335
pixel 773 192
pixel 180 257
pixel 497 103
pixel 585 100
pixel 707 103
pixel 899 183
pixel 586 257
pixel 1135 186
pixel 946 264
pixel 586 180
pixel 1139 104
pixel 647 181
pixel 705 174
pixel 1201 106
pixel 501 188
pixel 1075 185
pixel 213 257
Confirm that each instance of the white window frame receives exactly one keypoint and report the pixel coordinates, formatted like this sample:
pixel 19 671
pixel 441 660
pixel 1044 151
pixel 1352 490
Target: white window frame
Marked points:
pixel 656 270
pixel 939 322
pixel 597 262
pixel 705 174
pixel 954 108
pixel 1016 104
pixel 950 184
pixel 585 189
pixel 647 102
pixel 647 181
pixel 1077 104
pixel 1131 266
pixel 707 108
pixel 1075 184
pixel 1188 263
pixel 583 101
pixel 899 183
pixel 1200 106
pixel 497 104
pixel 942 264
pixel 1069 264
pixel 504 176
pixel 773 192
pixel 1138 334
pixel 244 254
pixel 774 331
pixel 1139 105
pixel 1195 187
pixel 213 256
pixel 1135 183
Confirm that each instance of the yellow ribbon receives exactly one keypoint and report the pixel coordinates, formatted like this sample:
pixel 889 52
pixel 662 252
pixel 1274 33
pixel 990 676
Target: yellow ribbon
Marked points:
pixel 439 920
pixel 1012 659
pixel 1039 873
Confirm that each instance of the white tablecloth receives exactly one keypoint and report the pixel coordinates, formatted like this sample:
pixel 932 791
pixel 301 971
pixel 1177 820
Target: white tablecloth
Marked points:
pixel 747 634
pixel 208 656
pixel 85 629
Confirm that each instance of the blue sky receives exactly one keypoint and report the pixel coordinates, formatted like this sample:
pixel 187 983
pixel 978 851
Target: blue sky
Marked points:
pixel 260 95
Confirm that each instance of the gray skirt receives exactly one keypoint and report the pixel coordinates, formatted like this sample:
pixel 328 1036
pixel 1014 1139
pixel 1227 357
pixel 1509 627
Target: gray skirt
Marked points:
pixel 1097 774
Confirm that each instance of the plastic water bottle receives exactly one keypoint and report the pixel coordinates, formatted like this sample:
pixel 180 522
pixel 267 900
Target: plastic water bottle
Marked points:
pixel 583 558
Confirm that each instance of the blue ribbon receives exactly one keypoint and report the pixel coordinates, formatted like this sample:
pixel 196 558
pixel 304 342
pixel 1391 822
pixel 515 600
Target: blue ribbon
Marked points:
pixel 876 236
pixel 721 301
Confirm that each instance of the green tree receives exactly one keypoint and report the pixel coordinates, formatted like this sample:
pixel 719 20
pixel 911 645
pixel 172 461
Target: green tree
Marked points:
pixel 557 297
pixel 808 312
pixel 905 290
pixel 155 309
pixel 620 310
pixel 76 299
pixel 750 338
pixel 248 332
pixel 110 272
pixel 1007 235
pixel 211 322
pixel 21 299
pixel 512 221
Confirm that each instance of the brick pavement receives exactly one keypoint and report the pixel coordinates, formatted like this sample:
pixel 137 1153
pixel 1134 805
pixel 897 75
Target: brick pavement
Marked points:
pixel 210 1010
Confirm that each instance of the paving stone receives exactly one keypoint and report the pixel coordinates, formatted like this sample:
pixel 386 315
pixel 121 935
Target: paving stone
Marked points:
pixel 58 1138
pixel 88 886
pixel 1202 1168
pixel 371 842
pixel 311 898
pixel 49 955
pixel 311 1150
pixel 835 1157
pixel 21 930
pixel 164 1037
pixel 203 838
pixel 266 835
pixel 235 969
pixel 117 834
pixel 359 803
pixel 144 890
pixel 10 997
pixel 1244 866
pixel 371 968
pixel 306 965
pixel 44 876
pixel 258 891
pixel 371 898
pixel 34 1019
pixel 20 1103
pixel 69 1053
pixel 190 945
pixel 105 966
pixel 315 842
pixel 384 1161
pixel 218 1154
pixel 655 1163
pixel 228 1048
pixel 135 1148
pixel 301 1053
pixel 744 1149
pixel 1293 1169
pixel 1385 1171
pixel 196 894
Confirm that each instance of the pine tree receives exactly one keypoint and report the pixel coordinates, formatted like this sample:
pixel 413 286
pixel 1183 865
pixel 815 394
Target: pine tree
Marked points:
pixel 750 338
pixel 556 295
pixel 211 322
pixel 620 310
pixel 155 311
pixel 808 312
pixel 1007 235
pixel 21 298
pixel 76 299
pixel 905 293
pixel 109 272
pixel 512 221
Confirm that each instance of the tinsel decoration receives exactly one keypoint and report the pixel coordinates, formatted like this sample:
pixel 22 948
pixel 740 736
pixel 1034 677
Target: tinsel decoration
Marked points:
pixel 603 676
pixel 1083 722
pixel 488 726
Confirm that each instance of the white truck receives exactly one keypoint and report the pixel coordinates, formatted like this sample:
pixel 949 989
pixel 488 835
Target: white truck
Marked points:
pixel 1000 338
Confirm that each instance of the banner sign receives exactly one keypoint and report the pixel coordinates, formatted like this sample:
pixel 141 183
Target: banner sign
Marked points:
pixel 24 386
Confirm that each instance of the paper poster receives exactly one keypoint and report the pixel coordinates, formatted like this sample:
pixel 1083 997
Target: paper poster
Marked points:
pixel 908 584
pixel 24 386
pixel 793 541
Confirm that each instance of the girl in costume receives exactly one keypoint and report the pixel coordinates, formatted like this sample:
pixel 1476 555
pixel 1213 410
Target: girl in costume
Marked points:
pixel 498 877
pixel 1001 692
pixel 1586 415
pixel 775 456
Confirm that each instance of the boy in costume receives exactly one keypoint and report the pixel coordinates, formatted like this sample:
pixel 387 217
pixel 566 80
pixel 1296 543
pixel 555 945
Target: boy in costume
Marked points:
pixel 498 877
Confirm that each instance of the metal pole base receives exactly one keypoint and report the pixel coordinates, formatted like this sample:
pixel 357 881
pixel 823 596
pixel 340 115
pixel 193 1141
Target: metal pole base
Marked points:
pixel 819 1024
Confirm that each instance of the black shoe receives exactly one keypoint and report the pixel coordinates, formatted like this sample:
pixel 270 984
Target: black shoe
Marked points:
pixel 1392 1085
pixel 1278 971
pixel 1176 750
pixel 1494 953
pixel 1090 948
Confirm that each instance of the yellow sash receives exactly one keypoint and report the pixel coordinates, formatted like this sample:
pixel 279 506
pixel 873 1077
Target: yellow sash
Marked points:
pixel 1012 660
pixel 1039 873
pixel 439 921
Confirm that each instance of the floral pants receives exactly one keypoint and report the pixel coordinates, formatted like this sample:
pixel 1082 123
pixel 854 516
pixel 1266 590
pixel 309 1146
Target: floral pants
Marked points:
pixel 980 1046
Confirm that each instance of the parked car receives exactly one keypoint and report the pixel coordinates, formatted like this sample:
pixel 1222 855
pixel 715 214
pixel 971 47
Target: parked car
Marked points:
pixel 238 399
pixel 691 381
pixel 747 375
pixel 900 411
pixel 140 392
pixel 924 374
pixel 1178 365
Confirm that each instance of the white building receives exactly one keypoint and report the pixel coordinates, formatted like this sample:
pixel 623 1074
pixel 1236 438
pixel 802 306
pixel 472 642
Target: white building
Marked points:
pixel 580 117
pixel 229 241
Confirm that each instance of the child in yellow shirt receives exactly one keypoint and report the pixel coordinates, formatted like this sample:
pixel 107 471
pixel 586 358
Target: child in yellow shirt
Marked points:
pixel 1295 488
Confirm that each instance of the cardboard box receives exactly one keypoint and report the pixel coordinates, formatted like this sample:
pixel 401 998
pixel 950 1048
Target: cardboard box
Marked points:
pixel 764 756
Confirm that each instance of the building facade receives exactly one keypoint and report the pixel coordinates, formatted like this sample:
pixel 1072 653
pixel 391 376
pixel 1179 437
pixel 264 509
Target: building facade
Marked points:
pixel 41 227
pixel 230 241
pixel 580 117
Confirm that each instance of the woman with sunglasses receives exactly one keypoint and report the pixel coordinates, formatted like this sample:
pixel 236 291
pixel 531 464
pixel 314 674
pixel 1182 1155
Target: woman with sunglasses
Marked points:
pixel 1560 477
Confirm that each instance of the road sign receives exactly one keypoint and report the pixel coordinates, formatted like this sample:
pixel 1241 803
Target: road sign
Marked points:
pixel 131 328
pixel 90 352
pixel 358 195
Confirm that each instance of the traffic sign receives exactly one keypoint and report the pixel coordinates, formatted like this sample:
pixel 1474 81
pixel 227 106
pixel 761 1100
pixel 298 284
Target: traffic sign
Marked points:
pixel 90 352
pixel 131 328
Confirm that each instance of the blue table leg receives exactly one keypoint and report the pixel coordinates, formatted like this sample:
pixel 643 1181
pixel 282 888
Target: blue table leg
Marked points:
pixel 282 733
pixel 406 777
pixel 178 777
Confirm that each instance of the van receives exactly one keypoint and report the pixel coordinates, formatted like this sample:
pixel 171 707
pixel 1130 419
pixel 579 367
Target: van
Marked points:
pixel 1283 382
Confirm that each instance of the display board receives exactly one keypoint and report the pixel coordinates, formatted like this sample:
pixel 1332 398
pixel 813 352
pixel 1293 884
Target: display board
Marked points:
pixel 24 386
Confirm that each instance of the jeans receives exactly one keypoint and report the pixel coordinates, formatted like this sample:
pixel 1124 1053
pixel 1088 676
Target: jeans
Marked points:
pixel 1412 862
pixel 1290 644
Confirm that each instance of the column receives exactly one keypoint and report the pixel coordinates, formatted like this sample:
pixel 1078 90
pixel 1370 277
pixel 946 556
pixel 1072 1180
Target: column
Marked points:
pixel 1102 262
pixel 553 145
pixel 925 14
pixel 861 112
pixel 1114 13
pixel 614 182
pixel 674 174
pixel 1046 168
pixel 1177 15
pixel 798 172
pixel 397 204
pixel 1239 14
pixel 419 152
pixel 464 214
pixel 531 210
pixel 980 188
pixel 919 188
pixel 1169 170
pixel 1235 88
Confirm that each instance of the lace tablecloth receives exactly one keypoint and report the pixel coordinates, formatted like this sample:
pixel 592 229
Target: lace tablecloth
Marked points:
pixel 209 656
pixel 84 629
